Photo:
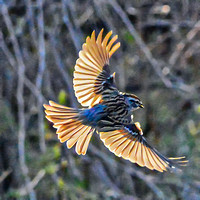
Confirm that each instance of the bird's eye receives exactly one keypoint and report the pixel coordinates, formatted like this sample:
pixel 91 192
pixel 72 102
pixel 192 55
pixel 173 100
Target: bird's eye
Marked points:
pixel 134 101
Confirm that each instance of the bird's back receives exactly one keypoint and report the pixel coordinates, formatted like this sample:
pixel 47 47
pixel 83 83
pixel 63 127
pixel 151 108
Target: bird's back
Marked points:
pixel 116 106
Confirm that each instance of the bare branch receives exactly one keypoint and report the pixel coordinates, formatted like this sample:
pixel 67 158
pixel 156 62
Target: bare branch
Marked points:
pixel 101 173
pixel 39 78
pixel 69 25
pixel 30 20
pixel 4 175
pixel 32 184
pixel 148 181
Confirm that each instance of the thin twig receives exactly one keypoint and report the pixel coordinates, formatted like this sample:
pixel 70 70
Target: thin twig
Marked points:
pixel 39 78
pixel 103 176
pixel 30 19
pixel 32 184
pixel 148 181
pixel 69 25
pixel 4 175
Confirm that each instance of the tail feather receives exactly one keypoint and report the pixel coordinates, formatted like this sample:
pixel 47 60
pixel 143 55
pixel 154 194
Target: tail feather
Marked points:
pixel 69 126
pixel 58 106
pixel 70 131
pixel 74 138
pixel 58 114
pixel 83 142
pixel 60 121
pixel 59 109
pixel 63 128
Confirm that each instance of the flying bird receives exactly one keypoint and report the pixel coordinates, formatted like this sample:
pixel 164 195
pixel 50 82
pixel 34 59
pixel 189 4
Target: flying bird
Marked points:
pixel 108 111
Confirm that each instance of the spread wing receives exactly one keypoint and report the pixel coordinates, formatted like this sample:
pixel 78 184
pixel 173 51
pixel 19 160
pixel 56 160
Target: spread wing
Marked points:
pixel 92 68
pixel 129 143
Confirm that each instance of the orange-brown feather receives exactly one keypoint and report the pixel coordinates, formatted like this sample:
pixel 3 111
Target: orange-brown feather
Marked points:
pixel 69 126
pixel 135 149
pixel 93 57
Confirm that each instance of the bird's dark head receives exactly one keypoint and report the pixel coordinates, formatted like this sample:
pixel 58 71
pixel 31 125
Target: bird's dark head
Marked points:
pixel 133 101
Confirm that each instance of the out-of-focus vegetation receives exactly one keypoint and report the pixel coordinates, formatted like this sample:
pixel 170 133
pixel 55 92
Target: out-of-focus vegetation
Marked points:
pixel 159 60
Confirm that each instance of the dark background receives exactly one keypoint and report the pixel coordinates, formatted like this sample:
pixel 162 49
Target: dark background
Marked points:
pixel 158 60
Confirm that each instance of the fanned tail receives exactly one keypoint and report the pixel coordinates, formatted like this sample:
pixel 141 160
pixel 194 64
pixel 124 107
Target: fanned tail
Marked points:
pixel 69 126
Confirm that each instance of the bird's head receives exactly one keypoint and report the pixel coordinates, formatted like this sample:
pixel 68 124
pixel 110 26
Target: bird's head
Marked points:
pixel 133 101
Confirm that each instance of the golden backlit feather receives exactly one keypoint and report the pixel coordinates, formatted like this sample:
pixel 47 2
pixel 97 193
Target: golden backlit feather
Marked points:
pixel 69 128
pixel 133 147
pixel 93 57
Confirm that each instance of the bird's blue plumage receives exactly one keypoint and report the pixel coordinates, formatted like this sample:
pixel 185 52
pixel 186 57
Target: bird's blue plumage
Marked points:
pixel 93 115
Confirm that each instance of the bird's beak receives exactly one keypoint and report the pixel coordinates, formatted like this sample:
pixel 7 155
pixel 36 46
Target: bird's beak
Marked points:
pixel 113 75
pixel 141 106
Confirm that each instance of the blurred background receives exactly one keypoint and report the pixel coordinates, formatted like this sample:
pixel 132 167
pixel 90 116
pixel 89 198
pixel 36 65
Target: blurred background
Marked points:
pixel 158 60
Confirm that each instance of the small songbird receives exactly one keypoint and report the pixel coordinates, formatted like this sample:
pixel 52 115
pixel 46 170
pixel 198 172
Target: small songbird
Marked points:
pixel 109 111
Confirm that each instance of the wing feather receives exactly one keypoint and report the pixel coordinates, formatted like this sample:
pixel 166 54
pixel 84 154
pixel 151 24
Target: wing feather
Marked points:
pixel 130 144
pixel 90 67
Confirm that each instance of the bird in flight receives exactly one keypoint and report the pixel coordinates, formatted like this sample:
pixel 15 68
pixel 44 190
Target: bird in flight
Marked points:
pixel 107 110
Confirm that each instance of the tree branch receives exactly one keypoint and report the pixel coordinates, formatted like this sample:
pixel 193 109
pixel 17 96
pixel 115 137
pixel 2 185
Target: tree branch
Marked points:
pixel 39 78
pixel 69 25
pixel 32 184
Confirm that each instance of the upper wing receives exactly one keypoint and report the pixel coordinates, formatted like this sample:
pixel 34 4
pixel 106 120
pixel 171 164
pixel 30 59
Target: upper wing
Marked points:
pixel 92 68
pixel 131 145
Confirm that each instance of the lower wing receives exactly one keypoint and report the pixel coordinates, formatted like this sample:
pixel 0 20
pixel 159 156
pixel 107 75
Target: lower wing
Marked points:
pixel 129 143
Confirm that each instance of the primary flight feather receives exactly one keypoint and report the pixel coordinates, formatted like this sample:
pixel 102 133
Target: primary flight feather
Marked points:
pixel 108 110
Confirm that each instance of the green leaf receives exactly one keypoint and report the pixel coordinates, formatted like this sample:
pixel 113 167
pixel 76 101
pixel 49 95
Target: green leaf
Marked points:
pixel 128 37
pixel 51 168
pixel 62 97
pixel 56 151
pixel 61 183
